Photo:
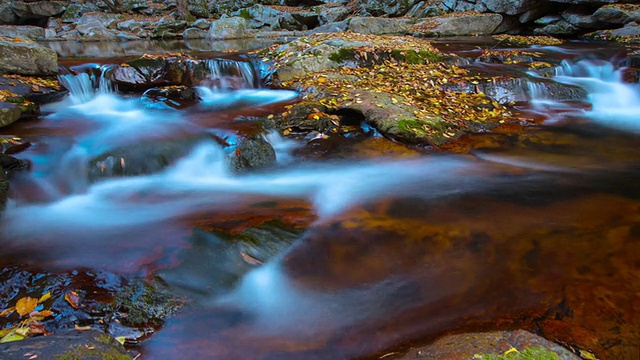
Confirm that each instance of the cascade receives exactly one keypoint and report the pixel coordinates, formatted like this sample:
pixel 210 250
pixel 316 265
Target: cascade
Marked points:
pixel 226 74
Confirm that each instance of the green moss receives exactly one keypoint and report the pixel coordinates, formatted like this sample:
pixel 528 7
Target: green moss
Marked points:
pixel 72 12
pixel 244 13
pixel 416 57
pixel 82 352
pixel 343 54
pixel 144 304
pixel 527 354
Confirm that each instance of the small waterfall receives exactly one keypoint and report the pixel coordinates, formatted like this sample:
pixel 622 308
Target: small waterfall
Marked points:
pixel 84 83
pixel 80 87
pixel 228 74
pixel 614 103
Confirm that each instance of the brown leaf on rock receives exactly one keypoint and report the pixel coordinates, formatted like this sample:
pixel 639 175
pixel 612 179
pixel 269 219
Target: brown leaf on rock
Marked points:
pixel 7 311
pixel 72 298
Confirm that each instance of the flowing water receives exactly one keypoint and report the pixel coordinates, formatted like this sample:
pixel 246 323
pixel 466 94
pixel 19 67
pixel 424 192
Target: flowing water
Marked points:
pixel 373 251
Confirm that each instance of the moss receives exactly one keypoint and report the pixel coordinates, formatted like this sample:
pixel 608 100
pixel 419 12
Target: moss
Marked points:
pixel 244 13
pixel 416 57
pixel 144 304
pixel 343 54
pixel 82 352
pixel 527 354
pixel 72 12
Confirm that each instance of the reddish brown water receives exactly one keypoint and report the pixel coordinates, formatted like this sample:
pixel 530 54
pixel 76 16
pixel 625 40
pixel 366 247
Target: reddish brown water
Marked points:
pixel 536 229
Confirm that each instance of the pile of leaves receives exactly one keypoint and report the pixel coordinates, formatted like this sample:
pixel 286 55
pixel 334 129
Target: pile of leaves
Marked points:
pixel 37 82
pixel 518 40
pixel 30 312
pixel 420 86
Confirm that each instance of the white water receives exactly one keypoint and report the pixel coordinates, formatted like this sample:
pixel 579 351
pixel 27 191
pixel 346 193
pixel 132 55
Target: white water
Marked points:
pixel 614 103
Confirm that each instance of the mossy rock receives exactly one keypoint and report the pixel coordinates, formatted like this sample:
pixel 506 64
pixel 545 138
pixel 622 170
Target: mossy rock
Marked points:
pixel 144 304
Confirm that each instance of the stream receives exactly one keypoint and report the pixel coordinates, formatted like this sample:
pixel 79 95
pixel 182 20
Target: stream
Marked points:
pixel 360 253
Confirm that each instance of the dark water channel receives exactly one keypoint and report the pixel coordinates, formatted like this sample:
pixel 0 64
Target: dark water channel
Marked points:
pixel 370 249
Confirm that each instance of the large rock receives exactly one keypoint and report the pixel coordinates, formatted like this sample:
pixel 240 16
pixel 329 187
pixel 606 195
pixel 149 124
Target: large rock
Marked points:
pixel 67 345
pixel 459 25
pixel 366 25
pixel 31 10
pixel 7 16
pixel 518 344
pixel 253 153
pixel 268 18
pixel 388 8
pixel 229 28
pixel 616 15
pixel 141 159
pixel 24 32
pixel 153 71
pixel 510 7
pixel 27 59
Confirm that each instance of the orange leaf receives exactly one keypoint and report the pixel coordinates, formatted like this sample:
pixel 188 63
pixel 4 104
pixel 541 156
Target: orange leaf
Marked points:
pixel 37 328
pixel 72 298
pixel 26 305
pixel 43 313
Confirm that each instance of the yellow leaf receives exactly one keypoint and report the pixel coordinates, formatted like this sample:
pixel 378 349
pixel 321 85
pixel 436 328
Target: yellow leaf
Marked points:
pixel 394 100
pixel 512 350
pixel 8 311
pixel 26 305
pixel 120 339
pixel 11 337
pixel 44 297
pixel 587 355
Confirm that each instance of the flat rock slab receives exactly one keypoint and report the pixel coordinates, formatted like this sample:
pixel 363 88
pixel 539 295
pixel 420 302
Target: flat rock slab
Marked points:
pixel 77 345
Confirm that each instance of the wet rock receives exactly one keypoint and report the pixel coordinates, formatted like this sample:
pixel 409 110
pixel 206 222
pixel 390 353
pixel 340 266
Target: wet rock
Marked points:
pixel 24 32
pixel 268 18
pixel 9 163
pixel 153 71
pixel 27 59
pixel 581 17
pixel 171 97
pixel 229 28
pixel 304 117
pixel 491 345
pixel 459 25
pixel 253 153
pixel 73 344
pixel 142 158
pixel 202 24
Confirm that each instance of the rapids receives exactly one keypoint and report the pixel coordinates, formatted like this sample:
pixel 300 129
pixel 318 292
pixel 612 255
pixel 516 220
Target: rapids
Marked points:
pixel 394 250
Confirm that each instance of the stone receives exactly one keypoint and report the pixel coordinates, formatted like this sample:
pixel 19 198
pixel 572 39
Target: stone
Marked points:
pixel 490 345
pixel 129 25
pixel 9 113
pixel 202 24
pixel 460 24
pixel 24 32
pixel 332 14
pixel 510 7
pixel 617 15
pixel 27 59
pixel 561 28
pixel 229 28
pixel 198 8
pixel 194 33
pixel 38 9
pixel 388 8
pixel 253 153
pixel 71 344
pixel 7 16
pixel 377 26
pixel 267 18
pixel 581 17
pixel 142 158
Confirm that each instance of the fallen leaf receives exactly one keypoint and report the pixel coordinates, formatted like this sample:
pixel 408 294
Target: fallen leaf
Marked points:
pixel 26 305
pixel 72 298
pixel 44 298
pixel 81 328
pixel 37 328
pixel 11 337
pixel 7 311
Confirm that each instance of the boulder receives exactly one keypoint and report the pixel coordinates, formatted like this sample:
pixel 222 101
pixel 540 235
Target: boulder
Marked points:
pixel 510 7
pixel 366 25
pixel 388 8
pixel 30 11
pixel 9 113
pixel 27 58
pixel 617 15
pixel 198 8
pixel 9 163
pixel 71 344
pixel 7 16
pixel 202 24
pixel 152 71
pixel 268 18
pixel 253 153
pixel 560 28
pixel 332 14
pixel 229 28
pixel 518 344
pixel 459 25
pixel 23 32
pixel 194 33
pixel 142 158
pixel 582 17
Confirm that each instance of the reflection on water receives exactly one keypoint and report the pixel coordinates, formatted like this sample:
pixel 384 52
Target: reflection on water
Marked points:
pixel 538 232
